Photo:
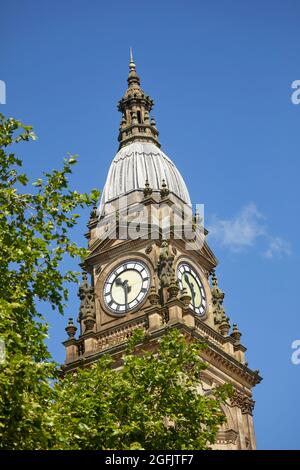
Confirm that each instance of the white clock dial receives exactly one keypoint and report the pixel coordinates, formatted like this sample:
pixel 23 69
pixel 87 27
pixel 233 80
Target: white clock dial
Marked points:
pixel 126 286
pixel 189 280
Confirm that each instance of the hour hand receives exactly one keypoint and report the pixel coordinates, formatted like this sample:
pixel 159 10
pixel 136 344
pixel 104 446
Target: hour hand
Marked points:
pixel 119 282
pixel 123 284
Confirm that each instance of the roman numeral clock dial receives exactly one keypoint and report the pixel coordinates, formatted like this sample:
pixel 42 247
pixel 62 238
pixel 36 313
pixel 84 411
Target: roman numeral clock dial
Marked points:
pixel 189 280
pixel 126 287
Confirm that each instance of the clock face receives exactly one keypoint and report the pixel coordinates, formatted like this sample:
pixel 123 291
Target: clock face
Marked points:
pixel 190 280
pixel 126 286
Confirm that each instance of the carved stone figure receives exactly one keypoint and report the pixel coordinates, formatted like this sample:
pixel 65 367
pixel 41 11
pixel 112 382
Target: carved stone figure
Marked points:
pixel 87 304
pixel 165 265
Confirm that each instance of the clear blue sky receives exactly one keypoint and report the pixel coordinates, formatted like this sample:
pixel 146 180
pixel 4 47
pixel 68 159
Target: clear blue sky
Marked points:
pixel 220 73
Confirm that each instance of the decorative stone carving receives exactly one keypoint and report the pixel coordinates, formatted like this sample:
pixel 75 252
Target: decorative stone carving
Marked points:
pixel 173 288
pixel 118 335
pixel 165 265
pixel 224 325
pixel 164 192
pixel 185 297
pixel 135 107
pixel 153 123
pixel 153 296
pixel 236 334
pixel 87 312
pixel 147 189
pixel 227 437
pixel 71 328
pixel 242 401
pixel 220 318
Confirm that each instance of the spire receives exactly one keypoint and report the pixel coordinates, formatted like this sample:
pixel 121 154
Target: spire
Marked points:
pixel 131 64
pixel 133 78
pixel 135 107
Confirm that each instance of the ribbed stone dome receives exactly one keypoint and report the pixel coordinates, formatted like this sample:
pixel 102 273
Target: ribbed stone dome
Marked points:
pixel 140 161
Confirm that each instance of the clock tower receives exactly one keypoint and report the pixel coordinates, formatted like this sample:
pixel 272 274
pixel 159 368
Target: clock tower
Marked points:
pixel 149 266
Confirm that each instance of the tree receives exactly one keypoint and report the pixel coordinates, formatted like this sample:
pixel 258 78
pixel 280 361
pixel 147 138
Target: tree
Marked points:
pixel 34 240
pixel 152 402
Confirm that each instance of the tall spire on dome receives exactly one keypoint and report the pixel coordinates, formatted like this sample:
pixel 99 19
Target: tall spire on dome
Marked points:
pixel 133 77
pixel 135 107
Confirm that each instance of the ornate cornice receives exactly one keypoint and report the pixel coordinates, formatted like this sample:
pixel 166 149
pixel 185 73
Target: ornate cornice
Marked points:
pixel 113 340
pixel 244 402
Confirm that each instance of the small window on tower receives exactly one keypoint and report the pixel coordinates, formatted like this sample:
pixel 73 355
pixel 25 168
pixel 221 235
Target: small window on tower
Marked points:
pixel 139 117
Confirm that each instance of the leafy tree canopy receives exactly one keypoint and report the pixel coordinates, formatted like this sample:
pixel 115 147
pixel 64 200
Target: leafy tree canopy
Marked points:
pixel 34 239
pixel 151 402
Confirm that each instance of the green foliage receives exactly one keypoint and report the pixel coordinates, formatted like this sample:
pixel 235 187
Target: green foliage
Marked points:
pixel 152 402
pixel 34 239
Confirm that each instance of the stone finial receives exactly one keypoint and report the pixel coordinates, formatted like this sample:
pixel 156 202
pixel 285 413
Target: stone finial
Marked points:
pixel 173 288
pixel 215 289
pixel 236 334
pixel 147 189
pixel 164 192
pixel 224 325
pixel 153 296
pixel 217 300
pixel 133 78
pixel 123 122
pixel 185 297
pixel 71 328
pixel 152 122
pixel 196 219
pixel 93 214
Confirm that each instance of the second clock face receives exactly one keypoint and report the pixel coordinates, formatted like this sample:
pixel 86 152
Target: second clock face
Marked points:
pixel 126 286
pixel 189 280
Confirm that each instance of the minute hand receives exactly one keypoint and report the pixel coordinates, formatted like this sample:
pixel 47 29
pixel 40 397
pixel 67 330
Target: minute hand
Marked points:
pixel 192 290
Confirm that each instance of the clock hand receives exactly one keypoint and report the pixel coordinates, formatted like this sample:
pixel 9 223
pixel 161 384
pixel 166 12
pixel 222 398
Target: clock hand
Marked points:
pixel 193 294
pixel 192 289
pixel 118 282
pixel 125 286
pixel 127 289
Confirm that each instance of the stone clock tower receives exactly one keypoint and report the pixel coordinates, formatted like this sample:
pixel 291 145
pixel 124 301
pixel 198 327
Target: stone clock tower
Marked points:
pixel 150 267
